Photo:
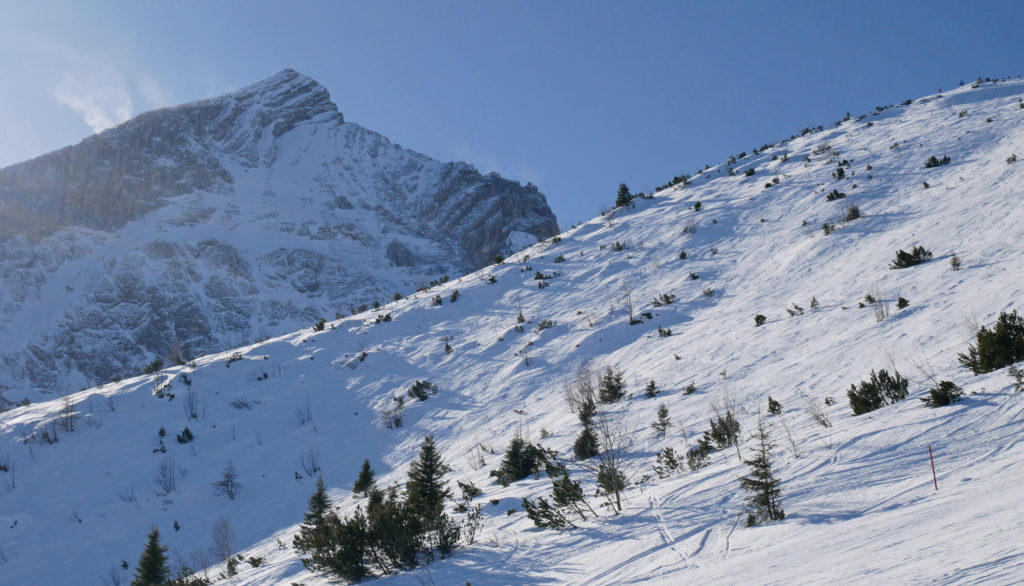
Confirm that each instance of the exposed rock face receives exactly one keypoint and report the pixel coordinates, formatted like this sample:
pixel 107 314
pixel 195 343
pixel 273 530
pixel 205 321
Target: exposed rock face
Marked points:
pixel 225 220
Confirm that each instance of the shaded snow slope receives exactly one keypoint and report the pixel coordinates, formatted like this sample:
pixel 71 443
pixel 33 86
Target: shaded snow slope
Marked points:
pixel 859 498
pixel 216 223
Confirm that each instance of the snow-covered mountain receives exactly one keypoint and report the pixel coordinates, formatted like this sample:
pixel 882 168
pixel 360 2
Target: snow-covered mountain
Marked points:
pixel 204 226
pixel 858 494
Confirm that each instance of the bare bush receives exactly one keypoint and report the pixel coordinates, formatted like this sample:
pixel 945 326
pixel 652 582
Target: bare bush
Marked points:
pixel 581 389
pixel 166 476
pixel 789 437
pixel 609 464
pixel 310 461
pixel 223 539
pixel 304 414
pixel 228 484
pixel 190 404
pixel 477 460
pixel 128 496
pixel 879 306
pixel 67 416
pixel 817 412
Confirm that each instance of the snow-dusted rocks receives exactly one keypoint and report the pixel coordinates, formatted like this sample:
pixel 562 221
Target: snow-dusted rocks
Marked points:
pixel 226 220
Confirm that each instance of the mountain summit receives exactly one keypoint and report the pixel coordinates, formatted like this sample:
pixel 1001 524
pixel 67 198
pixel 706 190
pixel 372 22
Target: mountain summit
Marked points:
pixel 201 226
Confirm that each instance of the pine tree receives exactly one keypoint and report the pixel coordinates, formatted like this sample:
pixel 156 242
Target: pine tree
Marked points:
pixel 663 422
pixel 314 533
pixel 774 407
pixel 522 459
pixel 566 492
pixel 152 569
pixel 426 490
pixel 586 445
pixel 395 532
pixel 613 386
pixel 764 501
pixel 623 198
pixel 365 480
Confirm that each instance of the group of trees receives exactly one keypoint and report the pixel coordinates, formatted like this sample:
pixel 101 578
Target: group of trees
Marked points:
pixel 396 530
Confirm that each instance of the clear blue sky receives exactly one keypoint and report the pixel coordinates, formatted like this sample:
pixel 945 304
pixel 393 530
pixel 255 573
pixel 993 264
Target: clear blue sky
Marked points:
pixel 573 96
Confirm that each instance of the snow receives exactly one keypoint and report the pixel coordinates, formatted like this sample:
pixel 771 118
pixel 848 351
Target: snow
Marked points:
pixel 859 498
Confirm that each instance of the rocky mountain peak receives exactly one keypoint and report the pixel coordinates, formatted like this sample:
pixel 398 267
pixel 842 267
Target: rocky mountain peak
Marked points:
pixel 200 226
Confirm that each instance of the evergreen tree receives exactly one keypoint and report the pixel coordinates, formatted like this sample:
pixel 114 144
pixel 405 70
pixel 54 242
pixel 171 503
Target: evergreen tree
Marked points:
pixel 314 533
pixel 613 386
pixel 152 569
pixel 426 490
pixel 566 492
pixel 663 422
pixel 395 532
pixel 623 198
pixel 522 459
pixel 365 480
pixel 764 501
pixel 774 407
pixel 586 445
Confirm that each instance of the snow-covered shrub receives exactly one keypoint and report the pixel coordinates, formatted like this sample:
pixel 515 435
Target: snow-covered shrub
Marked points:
pixel 613 386
pixel 995 348
pixel 877 392
pixel 698 457
pixel 945 393
pixel 422 390
pixel 586 445
pixel 522 459
pixel 663 299
pixel 852 213
pixel 668 463
pixel 724 432
pixel 154 366
pixel 916 256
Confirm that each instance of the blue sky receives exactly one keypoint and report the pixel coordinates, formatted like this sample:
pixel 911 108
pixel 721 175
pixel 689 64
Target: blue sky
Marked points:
pixel 573 96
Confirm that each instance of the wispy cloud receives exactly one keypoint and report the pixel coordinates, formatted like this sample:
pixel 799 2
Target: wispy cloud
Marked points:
pixel 98 92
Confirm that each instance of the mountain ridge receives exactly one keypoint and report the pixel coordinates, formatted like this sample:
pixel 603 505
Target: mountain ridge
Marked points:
pixel 356 217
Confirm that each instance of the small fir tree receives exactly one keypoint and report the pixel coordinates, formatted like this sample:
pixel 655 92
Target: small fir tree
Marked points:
pixel 586 445
pixel 663 422
pixel 426 489
pixel 522 459
pixel 774 407
pixel 365 481
pixel 152 569
pixel 317 532
pixel 613 386
pixel 566 492
pixel 622 198
pixel 652 389
pixel 765 500
pixel 667 463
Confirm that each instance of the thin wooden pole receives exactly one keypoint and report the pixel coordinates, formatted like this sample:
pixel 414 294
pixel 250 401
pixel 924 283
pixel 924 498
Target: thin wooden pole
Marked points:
pixel 934 479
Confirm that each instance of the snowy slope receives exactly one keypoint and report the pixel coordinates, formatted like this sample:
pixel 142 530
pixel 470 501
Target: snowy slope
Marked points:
pixel 859 498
